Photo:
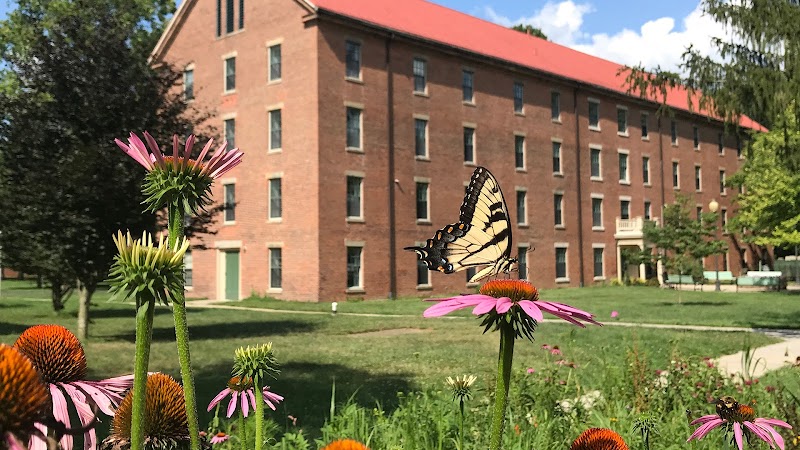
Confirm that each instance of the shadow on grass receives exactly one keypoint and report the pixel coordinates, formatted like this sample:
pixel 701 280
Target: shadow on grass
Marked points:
pixel 306 388
pixel 233 330
pixel 694 303
pixel 99 312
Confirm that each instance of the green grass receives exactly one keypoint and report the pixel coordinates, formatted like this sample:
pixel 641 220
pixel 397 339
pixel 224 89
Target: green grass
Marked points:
pixel 376 357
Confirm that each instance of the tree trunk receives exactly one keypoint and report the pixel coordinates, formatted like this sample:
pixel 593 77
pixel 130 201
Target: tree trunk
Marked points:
pixel 59 293
pixel 39 282
pixel 85 293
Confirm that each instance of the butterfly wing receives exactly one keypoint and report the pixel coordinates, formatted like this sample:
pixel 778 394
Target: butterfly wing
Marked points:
pixel 482 236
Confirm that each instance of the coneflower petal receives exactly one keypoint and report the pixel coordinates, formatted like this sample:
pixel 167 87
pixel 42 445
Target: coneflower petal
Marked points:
pixel 218 398
pixel 737 434
pixel 531 310
pixel 61 413
pixel 704 429
pixel 245 403
pixel 763 435
pixel 232 404
pixel 775 435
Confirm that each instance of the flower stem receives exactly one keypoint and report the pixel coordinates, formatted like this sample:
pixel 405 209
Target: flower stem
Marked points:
pixel 242 431
pixel 259 414
pixel 501 390
pixel 176 213
pixel 144 334
pixel 461 426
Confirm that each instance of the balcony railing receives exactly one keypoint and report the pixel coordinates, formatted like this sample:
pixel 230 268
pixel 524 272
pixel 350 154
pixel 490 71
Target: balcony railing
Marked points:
pixel 631 228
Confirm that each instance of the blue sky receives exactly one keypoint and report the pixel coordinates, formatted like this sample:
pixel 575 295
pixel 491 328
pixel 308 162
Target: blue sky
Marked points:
pixel 626 31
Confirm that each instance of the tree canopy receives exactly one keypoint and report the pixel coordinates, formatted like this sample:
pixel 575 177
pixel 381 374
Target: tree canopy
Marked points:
pixel 531 30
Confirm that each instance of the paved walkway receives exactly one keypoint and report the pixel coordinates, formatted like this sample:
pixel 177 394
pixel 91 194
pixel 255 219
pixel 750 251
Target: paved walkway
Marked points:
pixel 764 359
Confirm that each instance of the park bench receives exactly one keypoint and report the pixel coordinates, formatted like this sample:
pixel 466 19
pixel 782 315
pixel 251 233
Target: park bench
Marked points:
pixel 676 280
pixel 725 276
pixel 770 279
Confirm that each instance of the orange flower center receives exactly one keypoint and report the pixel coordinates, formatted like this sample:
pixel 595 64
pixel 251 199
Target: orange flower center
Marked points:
pixel 24 399
pixel 599 439
pixel 240 384
pixel 345 444
pixel 221 434
pixel 516 290
pixel 55 352
pixel 165 411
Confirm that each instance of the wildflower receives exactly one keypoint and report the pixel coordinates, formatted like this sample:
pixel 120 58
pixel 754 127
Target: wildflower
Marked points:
pixel 732 414
pixel 531 370
pixel 614 314
pixel 24 399
pixel 241 392
pixel 219 438
pixel 165 424
pixel 555 351
pixel 345 444
pixel 59 357
pixel 461 387
pixel 599 439
pixel 518 298
pixel 179 178
pixel 545 347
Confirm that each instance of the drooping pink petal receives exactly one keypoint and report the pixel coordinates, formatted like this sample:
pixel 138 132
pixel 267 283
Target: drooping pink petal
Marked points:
pixel 218 398
pixel 503 305
pixel 117 384
pixel 37 443
pixel 273 396
pixel 85 414
pixel 773 422
pixel 485 306
pixel 267 401
pixel 104 400
pixel 705 419
pixel 758 431
pixel 531 310
pixel 448 305
pixel 252 397
pixel 775 435
pixel 703 430
pixel 232 404
pixel 737 434
pixel 61 413
pixel 245 403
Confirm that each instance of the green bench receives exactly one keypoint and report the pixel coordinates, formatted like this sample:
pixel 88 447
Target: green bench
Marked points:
pixel 674 279
pixel 725 277
pixel 770 279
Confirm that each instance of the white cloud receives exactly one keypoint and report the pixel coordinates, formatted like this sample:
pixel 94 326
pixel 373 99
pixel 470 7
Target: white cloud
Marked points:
pixel 656 43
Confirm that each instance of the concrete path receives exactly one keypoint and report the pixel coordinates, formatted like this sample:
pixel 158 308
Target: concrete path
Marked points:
pixel 764 359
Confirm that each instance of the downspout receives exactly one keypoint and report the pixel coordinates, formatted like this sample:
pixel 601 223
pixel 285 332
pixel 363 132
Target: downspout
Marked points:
pixel 391 170
pixel 579 176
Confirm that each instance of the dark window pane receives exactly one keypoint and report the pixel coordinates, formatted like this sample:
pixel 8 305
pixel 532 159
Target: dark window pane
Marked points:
pixel 522 263
pixel 275 124
pixel 230 74
pixel 230 202
pixel 646 170
pixel 275 268
pixel 275 198
pixel 594 114
pixel 673 131
pixel 561 263
pixel 423 274
pixel 556 157
pixel 241 14
pixel 647 213
pixel 624 209
pixel 353 128
pixel 598 262
pixel 353 267
pixel 353 59
pixel 623 166
pixel 275 62
pixel 188 84
pixel 518 97
pixel 353 197
pixel 558 201
pixel 521 204
pixel 519 152
pixel 597 212
pixel 420 75
pixel 595 162
pixel 422 201
pixel 555 105
pixel 645 131
pixel 421 137
pixel 469 144
pixel 219 17
pixel 229 16
pixel 622 120
pixel 230 132
pixel 467 79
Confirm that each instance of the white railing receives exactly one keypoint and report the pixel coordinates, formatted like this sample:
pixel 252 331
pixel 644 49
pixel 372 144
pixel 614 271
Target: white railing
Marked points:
pixel 631 226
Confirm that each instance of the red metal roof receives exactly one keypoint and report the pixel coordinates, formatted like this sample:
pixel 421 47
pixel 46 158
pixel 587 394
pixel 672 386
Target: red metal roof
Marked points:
pixel 436 23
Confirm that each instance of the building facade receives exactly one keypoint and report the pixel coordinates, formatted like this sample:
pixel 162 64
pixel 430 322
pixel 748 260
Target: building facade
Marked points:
pixel 363 120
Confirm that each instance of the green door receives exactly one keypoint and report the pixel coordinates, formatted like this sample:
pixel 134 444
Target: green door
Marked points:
pixel 232 275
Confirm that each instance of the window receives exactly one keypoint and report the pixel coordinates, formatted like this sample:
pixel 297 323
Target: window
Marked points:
pixel 725 262
pixel 188 279
pixel 421 138
pixel 699 213
pixel 676 182
pixel 624 209
pixel 558 204
pixel 354 197
pixel 594 114
pixel 275 268
pixel 229 16
pixel 230 74
pixel 622 121
pixel 597 213
pixel 556 157
pixel 471 271
pixel 722 182
pixel 646 169
pixel 229 126
pixel 275 62
pixel 467 86
pixel 522 214
pixel 673 132
pixel 595 163
pixel 229 204
pixel 561 263
pixel 422 202
pixel 519 152
pixel 241 14
pixel 724 217
pixel 353 128
pixel 647 210
pixel 275 199
pixel 469 145
pixel 720 143
pixel 645 132
pixel 423 274
pixel 698 184
pixel 275 129
pixel 522 262
pixel 188 84
pixel 696 137
pixel 598 262
pixel 519 102
pixel 354 267
pixel 623 168
pixel 555 106
pixel 420 68
pixel 219 18
pixel 352 60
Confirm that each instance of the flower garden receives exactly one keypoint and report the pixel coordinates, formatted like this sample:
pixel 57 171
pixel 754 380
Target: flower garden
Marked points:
pixel 496 375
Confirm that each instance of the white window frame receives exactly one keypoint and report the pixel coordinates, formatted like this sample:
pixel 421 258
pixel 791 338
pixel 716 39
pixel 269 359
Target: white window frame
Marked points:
pixel 270 45
pixel 560 143
pixel 524 260
pixel 471 101
pixel 427 182
pixel 270 110
pixel 360 108
pixel 225 59
pixel 270 248
pixel 355 244
pixel 588 115
pixel 555 119
pixel 627 153
pixel 474 128
pixel 521 111
pixel 645 117
pixel 601 277
pixel 524 168
pixel 427 155
pixel 648 181
pixel 595 196
pixel 625 198
pixel 424 91
pixel 676 175
pixel 360 43
pixel 722 179
pixel 524 222
pixel 565 246
pixel 626 132
pixel 561 225
pixel 225 183
pixel 361 176
pixel 599 148
pixel 225 122
pixel 275 176
pixel 698 178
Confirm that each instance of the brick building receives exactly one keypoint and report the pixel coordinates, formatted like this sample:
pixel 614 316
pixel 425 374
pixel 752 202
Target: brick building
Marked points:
pixel 362 121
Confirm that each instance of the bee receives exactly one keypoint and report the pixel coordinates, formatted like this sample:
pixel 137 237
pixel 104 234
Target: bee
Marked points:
pixel 732 411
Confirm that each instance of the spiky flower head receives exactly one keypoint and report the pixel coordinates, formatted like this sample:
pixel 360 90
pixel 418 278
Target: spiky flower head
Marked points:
pixel 24 398
pixel 165 423
pixel 599 439
pixel 146 271
pixel 178 178
pixel 461 387
pixel 516 316
pixel 54 351
pixel 255 363
pixel 345 444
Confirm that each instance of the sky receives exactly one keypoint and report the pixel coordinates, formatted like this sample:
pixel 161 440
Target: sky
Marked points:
pixel 647 32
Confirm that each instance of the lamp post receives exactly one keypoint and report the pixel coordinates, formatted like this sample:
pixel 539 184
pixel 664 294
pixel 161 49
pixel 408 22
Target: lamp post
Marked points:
pixel 713 206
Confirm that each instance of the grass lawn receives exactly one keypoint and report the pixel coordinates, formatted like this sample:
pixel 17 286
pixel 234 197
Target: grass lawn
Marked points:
pixel 378 356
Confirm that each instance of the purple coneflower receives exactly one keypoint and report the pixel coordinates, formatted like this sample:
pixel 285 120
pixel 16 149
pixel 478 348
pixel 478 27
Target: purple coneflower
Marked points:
pixel 59 358
pixel 241 392
pixel 24 400
pixel 219 438
pixel 732 414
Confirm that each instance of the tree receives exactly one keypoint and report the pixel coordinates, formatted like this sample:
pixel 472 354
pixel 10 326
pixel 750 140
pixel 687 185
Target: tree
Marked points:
pixel 682 240
pixel 75 76
pixel 528 29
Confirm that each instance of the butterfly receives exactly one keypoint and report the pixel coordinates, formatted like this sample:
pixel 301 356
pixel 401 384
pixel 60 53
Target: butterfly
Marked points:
pixel 481 237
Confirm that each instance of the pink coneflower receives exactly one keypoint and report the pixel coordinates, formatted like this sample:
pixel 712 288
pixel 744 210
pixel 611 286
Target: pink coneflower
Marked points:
pixel 732 414
pixel 545 347
pixel 219 438
pixel 614 314
pixel 59 357
pixel 501 296
pixel 241 392
pixel 555 351
pixel 531 370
